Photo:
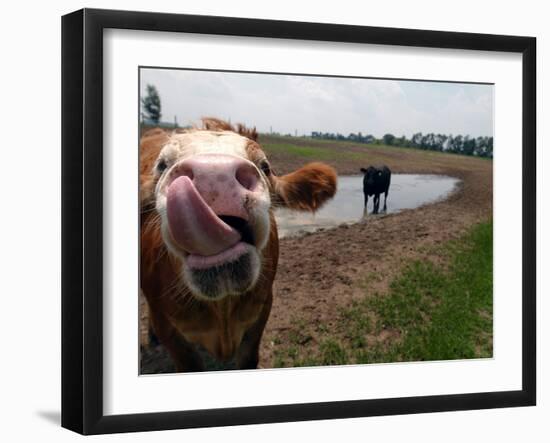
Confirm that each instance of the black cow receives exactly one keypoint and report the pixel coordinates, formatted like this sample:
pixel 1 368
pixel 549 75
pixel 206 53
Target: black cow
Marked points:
pixel 376 180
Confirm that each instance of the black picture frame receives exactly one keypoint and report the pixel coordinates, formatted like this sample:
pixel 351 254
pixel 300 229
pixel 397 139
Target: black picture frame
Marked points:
pixel 82 218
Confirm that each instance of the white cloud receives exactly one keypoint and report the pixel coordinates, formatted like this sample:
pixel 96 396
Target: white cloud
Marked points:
pixel 304 103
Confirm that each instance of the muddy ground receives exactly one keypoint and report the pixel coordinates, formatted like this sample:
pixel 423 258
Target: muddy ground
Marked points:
pixel 320 273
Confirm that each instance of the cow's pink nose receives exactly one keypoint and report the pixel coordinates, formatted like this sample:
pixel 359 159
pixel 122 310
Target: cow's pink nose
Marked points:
pixel 219 168
pixel 221 180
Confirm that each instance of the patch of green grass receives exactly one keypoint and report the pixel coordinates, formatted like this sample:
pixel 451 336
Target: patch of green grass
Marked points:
pixel 310 152
pixel 430 312
pixel 332 353
pixel 283 143
pixel 358 325
pixel 278 360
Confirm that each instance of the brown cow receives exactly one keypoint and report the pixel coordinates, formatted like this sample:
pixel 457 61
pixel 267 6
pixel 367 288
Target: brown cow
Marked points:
pixel 209 244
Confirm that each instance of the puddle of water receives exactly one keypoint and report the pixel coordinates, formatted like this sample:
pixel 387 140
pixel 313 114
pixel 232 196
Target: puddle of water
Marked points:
pixel 407 191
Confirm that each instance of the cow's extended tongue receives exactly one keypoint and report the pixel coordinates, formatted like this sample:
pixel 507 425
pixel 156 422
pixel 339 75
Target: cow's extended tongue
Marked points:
pixel 193 224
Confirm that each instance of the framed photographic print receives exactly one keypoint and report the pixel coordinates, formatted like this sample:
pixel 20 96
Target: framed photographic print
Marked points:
pixel 269 221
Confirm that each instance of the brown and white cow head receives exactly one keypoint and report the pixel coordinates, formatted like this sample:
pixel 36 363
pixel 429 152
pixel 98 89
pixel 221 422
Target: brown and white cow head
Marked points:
pixel 214 190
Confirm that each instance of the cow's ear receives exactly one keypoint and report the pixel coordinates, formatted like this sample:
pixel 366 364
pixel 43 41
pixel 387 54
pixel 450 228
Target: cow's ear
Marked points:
pixel 306 189
pixel 363 170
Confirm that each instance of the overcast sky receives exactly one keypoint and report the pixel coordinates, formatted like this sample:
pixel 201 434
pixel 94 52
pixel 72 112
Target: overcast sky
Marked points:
pixel 287 103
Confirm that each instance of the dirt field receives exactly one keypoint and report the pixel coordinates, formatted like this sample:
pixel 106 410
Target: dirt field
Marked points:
pixel 323 272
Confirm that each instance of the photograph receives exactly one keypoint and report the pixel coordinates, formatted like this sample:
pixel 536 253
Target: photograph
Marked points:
pixel 291 220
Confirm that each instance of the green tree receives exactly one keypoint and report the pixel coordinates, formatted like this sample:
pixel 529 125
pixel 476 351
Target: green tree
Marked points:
pixel 388 139
pixel 151 104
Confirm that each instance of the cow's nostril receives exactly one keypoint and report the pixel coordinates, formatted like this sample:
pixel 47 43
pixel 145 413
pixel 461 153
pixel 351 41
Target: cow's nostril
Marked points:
pixel 184 170
pixel 247 176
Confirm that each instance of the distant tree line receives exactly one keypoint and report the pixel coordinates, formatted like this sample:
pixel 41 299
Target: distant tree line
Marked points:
pixel 465 145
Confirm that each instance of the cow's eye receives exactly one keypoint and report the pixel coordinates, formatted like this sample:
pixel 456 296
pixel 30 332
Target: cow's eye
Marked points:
pixel 264 166
pixel 161 166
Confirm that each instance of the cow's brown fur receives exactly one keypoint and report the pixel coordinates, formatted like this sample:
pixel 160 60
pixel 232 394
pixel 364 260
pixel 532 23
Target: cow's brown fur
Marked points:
pixel 231 327
pixel 215 124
